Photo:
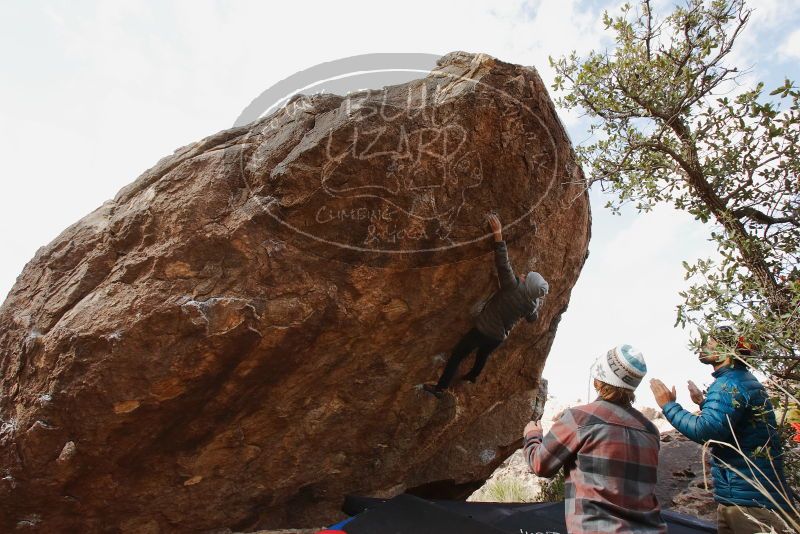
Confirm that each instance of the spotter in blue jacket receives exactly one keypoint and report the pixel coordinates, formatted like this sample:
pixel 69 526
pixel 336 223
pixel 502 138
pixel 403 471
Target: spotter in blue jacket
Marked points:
pixel 737 412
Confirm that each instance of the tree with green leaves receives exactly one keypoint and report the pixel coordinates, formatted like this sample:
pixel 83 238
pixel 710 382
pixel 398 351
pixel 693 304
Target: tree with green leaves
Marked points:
pixel 673 123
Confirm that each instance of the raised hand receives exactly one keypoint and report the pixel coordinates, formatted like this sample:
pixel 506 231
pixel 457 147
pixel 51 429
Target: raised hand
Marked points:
pixel 531 426
pixel 496 226
pixel 662 394
pixel 695 393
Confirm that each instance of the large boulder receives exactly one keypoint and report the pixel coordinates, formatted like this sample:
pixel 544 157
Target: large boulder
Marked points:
pixel 238 338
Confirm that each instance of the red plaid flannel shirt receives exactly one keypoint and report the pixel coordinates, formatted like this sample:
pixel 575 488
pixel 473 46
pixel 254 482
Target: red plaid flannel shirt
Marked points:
pixel 610 454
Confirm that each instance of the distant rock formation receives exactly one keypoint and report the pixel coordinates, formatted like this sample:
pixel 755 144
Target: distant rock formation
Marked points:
pixel 237 339
pixel 683 484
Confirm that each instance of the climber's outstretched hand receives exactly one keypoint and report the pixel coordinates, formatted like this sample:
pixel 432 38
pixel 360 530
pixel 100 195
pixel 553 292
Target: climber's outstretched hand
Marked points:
pixel 496 226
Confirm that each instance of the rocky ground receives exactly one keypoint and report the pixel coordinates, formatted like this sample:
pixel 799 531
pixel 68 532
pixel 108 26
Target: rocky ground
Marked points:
pixel 682 484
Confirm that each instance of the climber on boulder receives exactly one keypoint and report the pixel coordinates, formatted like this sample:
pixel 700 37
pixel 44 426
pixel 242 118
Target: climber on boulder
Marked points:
pixel 518 297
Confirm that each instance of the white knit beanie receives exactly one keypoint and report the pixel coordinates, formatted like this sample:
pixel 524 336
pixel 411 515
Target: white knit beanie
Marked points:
pixel 623 366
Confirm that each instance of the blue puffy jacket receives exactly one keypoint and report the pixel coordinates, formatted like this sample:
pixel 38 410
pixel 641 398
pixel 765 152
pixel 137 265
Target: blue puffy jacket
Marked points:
pixel 736 400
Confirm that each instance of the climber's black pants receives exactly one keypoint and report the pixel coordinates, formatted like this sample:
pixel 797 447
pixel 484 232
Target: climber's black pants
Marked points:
pixel 474 339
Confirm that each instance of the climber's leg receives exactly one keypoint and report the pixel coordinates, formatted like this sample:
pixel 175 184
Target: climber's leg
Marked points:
pixel 467 344
pixel 486 347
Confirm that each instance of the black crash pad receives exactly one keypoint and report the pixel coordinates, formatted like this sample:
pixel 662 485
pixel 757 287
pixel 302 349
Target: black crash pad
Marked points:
pixel 406 514
pixel 547 517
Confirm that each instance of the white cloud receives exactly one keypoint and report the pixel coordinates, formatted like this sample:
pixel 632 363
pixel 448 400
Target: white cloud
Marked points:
pixel 628 293
pixel 790 48
pixel 758 45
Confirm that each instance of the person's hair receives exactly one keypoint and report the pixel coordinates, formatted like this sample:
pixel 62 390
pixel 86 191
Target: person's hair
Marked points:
pixel 728 336
pixel 614 394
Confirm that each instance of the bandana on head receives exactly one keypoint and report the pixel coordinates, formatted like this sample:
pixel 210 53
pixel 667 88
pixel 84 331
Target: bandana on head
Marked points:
pixel 623 366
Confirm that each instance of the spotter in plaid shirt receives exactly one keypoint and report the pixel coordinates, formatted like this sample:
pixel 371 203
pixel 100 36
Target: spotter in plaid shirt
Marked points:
pixel 610 454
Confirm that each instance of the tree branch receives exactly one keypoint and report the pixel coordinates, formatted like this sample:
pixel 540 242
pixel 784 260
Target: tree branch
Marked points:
pixel 763 218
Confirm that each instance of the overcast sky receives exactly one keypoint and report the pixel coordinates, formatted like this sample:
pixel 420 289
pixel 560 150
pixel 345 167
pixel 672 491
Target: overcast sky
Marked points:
pixel 94 93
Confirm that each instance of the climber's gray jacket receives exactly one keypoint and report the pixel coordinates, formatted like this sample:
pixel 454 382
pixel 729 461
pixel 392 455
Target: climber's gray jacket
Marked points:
pixel 513 301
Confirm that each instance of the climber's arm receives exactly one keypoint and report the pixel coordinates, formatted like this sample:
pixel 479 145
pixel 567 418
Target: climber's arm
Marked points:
pixel 504 271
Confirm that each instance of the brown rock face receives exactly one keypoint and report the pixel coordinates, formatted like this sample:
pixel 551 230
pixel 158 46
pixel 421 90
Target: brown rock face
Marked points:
pixel 238 338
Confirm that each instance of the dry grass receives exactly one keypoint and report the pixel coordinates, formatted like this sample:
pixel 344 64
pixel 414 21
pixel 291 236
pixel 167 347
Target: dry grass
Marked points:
pixel 507 490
